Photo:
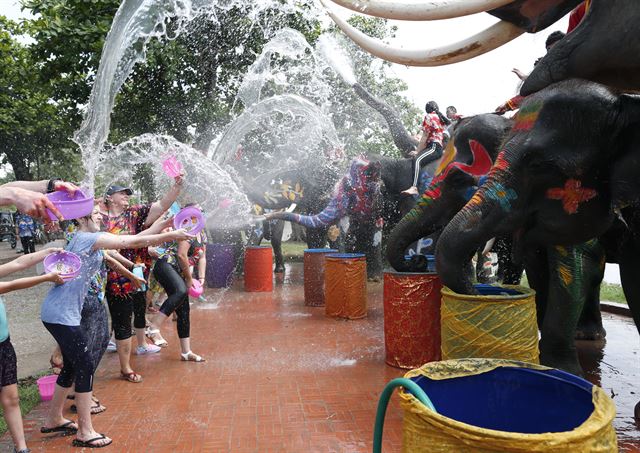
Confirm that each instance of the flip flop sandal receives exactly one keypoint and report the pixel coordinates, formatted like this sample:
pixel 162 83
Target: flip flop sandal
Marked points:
pixel 191 357
pixel 91 442
pixel 131 377
pixel 65 428
pixel 95 410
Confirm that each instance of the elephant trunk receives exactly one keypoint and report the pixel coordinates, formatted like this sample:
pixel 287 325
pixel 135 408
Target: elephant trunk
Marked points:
pixel 323 219
pixel 402 139
pixel 418 223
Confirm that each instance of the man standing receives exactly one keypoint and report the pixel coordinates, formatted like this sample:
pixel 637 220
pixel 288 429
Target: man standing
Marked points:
pixel 26 231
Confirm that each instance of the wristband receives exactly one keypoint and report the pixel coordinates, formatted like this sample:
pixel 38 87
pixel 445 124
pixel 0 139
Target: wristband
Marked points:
pixel 51 185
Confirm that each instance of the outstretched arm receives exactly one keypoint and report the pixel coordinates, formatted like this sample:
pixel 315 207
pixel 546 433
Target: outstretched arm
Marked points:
pixel 26 261
pixel 116 256
pixel 28 282
pixel 112 241
pixel 115 265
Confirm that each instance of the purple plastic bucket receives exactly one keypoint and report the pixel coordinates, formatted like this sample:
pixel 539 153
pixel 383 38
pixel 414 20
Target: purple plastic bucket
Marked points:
pixel 220 265
pixel 71 207
pixel 67 264
pixel 46 386
pixel 191 219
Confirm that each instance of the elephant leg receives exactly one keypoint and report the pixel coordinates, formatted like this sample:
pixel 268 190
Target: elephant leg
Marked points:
pixel 509 271
pixel 629 272
pixel 536 264
pixel 277 229
pixel 567 292
pixel 590 322
pixel 316 238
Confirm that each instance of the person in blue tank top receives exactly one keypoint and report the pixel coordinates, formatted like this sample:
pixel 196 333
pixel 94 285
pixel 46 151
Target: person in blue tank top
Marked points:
pixel 8 362
pixel 61 315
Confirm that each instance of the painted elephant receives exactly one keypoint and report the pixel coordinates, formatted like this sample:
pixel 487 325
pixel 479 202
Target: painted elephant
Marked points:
pixel 358 204
pixel 570 159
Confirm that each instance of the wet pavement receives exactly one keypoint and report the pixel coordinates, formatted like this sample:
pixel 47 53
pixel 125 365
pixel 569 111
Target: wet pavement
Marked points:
pixel 283 377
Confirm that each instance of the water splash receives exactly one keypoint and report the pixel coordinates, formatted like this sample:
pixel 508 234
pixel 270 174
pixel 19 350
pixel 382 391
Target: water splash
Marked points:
pixel 205 183
pixel 333 53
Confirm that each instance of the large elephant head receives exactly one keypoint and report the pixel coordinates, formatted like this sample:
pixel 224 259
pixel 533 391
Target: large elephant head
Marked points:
pixel 356 194
pixel 469 155
pixel 604 48
pixel 571 156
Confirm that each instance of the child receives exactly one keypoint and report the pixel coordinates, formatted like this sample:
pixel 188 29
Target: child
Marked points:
pixel 63 321
pixel 8 361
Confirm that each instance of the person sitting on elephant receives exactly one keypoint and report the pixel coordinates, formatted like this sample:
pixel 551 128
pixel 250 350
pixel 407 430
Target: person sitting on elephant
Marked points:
pixel 431 144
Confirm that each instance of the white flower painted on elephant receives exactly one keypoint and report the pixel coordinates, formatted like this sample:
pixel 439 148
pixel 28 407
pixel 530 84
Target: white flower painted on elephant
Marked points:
pixel 377 238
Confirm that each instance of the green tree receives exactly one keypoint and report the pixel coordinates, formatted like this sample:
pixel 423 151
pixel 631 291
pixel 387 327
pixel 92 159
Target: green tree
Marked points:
pixel 32 134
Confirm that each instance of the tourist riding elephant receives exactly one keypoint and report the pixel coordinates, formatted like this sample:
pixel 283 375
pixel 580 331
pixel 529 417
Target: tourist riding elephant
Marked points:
pixel 570 159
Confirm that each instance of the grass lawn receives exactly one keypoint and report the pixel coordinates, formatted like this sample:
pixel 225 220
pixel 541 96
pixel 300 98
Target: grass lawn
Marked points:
pixel 609 292
pixel 294 251
pixel 29 398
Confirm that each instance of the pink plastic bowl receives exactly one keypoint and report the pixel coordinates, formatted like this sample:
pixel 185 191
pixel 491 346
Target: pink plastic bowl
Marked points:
pixel 66 263
pixel 71 207
pixel 172 167
pixel 190 218
pixel 196 289
pixel 46 386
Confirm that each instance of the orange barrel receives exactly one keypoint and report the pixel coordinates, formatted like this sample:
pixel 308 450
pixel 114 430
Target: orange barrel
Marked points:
pixel 314 276
pixel 411 318
pixel 345 285
pixel 258 269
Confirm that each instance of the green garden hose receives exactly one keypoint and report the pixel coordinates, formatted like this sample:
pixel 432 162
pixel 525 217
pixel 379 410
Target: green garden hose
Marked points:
pixel 412 388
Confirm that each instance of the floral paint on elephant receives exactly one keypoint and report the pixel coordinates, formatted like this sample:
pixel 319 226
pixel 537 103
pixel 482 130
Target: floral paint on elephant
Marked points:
pixel 571 195
pixel 284 189
pixel 570 267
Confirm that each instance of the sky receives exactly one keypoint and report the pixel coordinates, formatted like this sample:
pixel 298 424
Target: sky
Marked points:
pixel 475 86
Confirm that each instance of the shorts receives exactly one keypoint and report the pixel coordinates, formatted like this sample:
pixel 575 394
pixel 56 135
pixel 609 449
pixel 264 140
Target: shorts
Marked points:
pixel 8 364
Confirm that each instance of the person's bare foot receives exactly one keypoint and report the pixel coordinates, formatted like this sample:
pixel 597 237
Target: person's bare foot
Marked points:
pixel 413 190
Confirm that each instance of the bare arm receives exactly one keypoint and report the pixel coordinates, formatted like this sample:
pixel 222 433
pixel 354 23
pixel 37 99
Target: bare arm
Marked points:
pixel 116 242
pixel 115 265
pixel 157 227
pixel 116 256
pixel 26 261
pixel 34 186
pixel 165 203
pixel 183 260
pixel 202 264
pixel 28 282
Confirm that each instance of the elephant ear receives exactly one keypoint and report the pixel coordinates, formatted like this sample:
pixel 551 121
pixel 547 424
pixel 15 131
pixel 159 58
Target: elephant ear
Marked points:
pixel 629 109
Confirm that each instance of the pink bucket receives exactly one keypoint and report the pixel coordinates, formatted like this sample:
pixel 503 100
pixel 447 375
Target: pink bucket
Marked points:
pixel 46 386
pixel 172 167
pixel 196 289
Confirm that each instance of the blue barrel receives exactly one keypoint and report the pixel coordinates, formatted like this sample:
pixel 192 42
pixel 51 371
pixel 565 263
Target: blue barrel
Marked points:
pixel 220 265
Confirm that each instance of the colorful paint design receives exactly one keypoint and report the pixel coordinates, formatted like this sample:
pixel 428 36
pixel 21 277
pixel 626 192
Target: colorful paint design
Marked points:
pixel 497 192
pixel 571 195
pixel 527 117
pixel 284 190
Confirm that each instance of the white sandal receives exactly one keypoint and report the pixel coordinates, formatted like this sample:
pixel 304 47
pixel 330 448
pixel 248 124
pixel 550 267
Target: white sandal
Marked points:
pixel 153 335
pixel 191 357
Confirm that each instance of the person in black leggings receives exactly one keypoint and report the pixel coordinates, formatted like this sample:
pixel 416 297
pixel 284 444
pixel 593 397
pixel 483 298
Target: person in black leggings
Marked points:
pixel 172 272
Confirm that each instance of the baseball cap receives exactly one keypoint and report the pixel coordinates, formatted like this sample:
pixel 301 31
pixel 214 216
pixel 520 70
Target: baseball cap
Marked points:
pixel 116 188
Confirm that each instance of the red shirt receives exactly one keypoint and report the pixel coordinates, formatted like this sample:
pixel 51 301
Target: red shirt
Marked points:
pixel 432 126
pixel 577 15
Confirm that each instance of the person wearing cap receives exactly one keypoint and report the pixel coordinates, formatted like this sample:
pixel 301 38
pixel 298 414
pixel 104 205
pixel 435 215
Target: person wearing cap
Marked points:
pixel 123 298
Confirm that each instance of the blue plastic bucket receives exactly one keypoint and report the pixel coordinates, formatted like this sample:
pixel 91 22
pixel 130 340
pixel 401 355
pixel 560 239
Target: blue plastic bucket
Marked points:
pixel 510 399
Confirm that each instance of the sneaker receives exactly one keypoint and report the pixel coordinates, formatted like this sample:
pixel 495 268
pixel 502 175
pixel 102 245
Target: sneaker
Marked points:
pixel 148 349
pixel 111 347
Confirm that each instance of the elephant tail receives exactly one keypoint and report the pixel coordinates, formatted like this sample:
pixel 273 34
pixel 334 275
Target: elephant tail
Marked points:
pixel 323 219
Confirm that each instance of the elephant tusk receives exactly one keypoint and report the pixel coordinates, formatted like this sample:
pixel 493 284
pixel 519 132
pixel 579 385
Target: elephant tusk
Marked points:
pixel 478 44
pixel 488 246
pixel 411 10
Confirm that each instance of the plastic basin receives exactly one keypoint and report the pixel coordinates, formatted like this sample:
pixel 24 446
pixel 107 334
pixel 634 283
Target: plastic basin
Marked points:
pixel 46 386
pixel 71 207
pixel 190 219
pixel 67 264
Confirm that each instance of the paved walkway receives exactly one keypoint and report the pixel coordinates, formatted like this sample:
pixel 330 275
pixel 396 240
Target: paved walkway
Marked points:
pixel 281 377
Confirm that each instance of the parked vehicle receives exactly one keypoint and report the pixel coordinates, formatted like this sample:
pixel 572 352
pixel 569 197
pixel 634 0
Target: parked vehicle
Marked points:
pixel 7 228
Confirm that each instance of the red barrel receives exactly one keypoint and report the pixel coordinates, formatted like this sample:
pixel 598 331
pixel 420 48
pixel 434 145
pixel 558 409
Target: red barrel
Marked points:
pixel 258 269
pixel 345 285
pixel 411 318
pixel 314 276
